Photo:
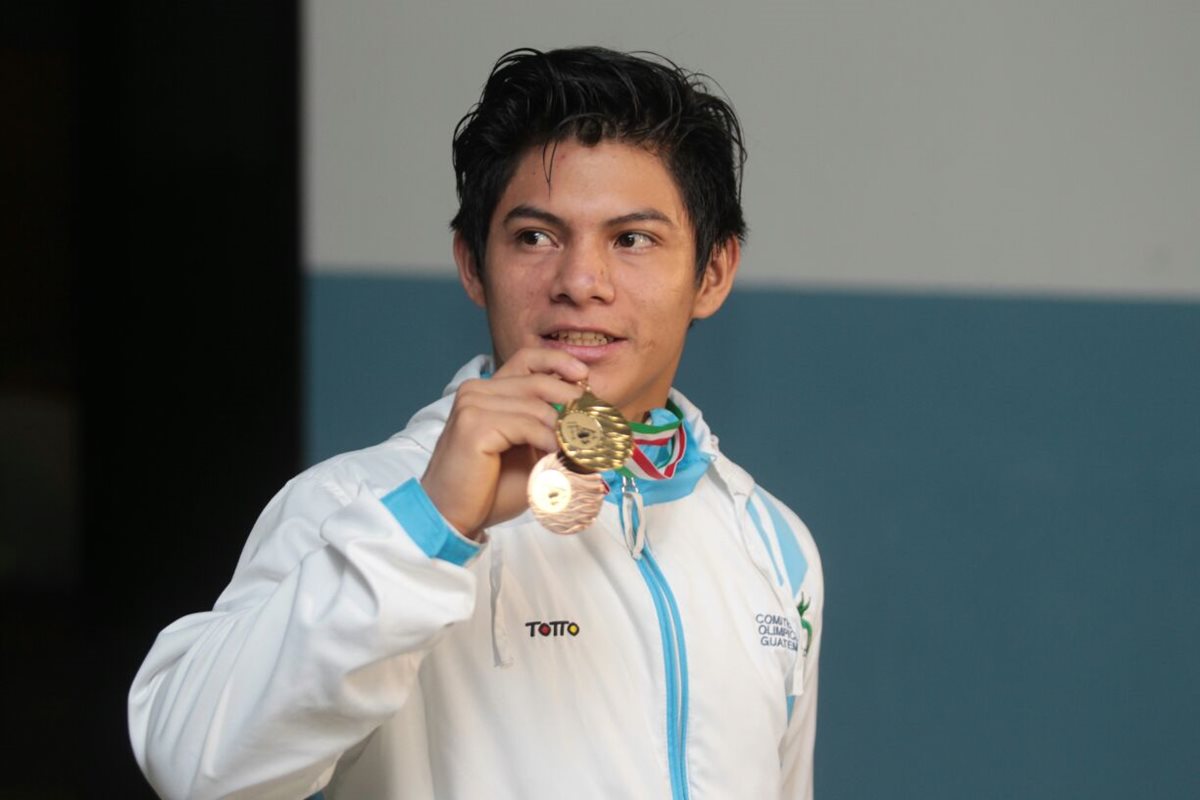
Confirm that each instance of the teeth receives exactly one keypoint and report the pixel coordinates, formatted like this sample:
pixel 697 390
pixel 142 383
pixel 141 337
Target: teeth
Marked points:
pixel 586 338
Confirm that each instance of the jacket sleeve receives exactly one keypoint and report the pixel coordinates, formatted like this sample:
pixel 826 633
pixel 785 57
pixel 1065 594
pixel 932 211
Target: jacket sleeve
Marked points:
pixel 316 641
pixel 796 750
pixel 798 562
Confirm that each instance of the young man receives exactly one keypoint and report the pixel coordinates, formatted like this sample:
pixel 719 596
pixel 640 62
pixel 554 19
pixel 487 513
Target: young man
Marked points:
pixel 400 626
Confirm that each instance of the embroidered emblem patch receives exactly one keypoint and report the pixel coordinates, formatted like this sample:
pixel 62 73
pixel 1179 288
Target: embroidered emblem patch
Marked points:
pixel 805 604
pixel 558 627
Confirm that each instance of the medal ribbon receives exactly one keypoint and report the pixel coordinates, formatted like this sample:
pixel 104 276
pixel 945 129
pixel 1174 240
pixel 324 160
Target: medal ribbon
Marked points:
pixel 659 445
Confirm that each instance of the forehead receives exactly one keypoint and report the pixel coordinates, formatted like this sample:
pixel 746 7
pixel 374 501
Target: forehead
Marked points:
pixel 574 180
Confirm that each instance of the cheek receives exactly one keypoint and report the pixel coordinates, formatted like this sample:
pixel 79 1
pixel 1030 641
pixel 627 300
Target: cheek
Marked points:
pixel 675 312
pixel 516 317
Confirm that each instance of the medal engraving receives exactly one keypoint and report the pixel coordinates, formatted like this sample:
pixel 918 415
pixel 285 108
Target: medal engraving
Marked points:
pixel 580 431
pixel 593 434
pixel 562 500
pixel 549 492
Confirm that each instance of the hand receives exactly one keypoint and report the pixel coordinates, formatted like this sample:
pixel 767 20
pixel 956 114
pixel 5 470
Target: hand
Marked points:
pixel 497 430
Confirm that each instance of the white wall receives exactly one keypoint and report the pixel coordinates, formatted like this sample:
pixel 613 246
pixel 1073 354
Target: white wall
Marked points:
pixel 1045 147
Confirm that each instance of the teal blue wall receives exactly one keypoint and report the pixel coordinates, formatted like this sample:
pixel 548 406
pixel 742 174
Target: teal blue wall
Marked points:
pixel 1006 493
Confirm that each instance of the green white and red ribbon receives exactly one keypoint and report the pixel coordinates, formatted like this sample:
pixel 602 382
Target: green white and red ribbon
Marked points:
pixel 651 441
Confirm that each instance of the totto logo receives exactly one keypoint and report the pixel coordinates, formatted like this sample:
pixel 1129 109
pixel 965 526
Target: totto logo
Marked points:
pixel 558 627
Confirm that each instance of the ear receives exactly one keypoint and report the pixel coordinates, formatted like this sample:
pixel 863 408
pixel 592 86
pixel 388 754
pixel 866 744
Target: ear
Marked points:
pixel 717 278
pixel 468 271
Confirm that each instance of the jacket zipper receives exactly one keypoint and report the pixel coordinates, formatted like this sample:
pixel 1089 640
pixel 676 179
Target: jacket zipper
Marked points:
pixel 670 626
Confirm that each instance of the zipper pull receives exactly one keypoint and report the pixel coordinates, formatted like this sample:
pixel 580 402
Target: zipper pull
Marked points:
pixel 633 518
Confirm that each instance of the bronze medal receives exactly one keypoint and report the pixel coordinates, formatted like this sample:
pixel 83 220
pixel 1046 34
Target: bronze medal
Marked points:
pixel 562 499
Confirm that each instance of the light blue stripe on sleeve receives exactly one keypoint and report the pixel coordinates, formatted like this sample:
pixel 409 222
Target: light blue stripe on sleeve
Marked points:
pixel 765 540
pixel 420 519
pixel 793 560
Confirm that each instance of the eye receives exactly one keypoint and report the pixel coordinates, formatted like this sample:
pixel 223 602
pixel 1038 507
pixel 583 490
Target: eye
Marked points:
pixel 634 240
pixel 534 238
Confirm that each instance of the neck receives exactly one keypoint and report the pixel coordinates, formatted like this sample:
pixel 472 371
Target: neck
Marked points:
pixel 640 412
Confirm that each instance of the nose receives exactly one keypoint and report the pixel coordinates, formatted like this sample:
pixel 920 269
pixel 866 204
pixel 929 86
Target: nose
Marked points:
pixel 584 275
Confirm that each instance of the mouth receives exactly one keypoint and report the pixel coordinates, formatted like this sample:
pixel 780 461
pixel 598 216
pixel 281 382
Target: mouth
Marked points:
pixel 589 346
pixel 574 338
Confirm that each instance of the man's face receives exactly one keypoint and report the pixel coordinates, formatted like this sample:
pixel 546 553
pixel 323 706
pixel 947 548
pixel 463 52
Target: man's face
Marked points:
pixel 598 261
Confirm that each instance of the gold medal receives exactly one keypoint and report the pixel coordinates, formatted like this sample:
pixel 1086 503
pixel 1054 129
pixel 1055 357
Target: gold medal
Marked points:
pixel 593 434
pixel 563 500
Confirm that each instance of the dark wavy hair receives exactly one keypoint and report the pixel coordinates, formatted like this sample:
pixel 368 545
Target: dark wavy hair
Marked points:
pixel 592 94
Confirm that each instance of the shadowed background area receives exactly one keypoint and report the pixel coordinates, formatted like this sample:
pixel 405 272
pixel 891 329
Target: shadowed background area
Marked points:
pixel 150 376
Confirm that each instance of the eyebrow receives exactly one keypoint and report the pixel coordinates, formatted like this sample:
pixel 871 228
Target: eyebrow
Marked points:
pixel 645 215
pixel 524 211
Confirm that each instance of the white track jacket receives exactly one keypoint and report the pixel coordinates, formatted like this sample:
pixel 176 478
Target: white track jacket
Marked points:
pixel 366 650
